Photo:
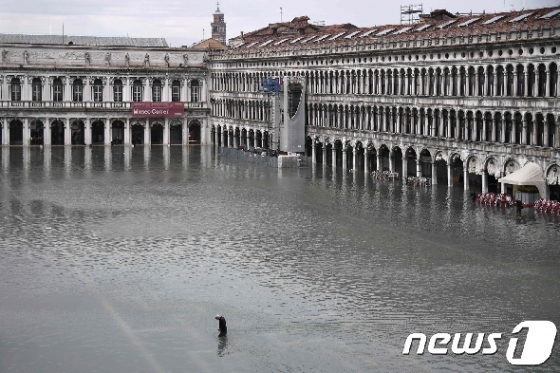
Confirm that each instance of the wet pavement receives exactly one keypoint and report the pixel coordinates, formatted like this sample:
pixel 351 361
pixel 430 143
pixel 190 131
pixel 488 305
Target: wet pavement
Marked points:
pixel 118 259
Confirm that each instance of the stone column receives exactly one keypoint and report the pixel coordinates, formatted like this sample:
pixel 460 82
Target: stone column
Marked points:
pixel 379 165
pixel 147 134
pixel 127 132
pixel 526 85
pixel 502 184
pixel 185 133
pixel 534 135
pixel 26 132
pixel 466 178
pixel 391 161
pixel 107 132
pixel 146 90
pixel 366 161
pixel 404 167
pixel 333 158
pixel 324 155
pixel 344 158
pixel 87 131
pixel 47 141
pixel 524 132
pixel 67 132
pixel 434 173
pixel 418 167
pixel 546 133
pixel 449 175
pixel 313 150
pixel 165 131
pixel 484 181
pixel 354 159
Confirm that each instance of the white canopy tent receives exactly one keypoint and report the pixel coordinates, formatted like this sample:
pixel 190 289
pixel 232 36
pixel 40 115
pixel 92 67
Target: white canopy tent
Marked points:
pixel 530 174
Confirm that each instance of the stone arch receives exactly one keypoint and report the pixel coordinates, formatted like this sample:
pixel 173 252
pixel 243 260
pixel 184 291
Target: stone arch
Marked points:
pixel 194 132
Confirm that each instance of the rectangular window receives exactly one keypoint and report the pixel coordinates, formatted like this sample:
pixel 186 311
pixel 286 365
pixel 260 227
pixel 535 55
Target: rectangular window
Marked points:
pixel 37 94
pixel 16 92
pixel 156 93
pixel 176 94
pixel 98 93
pixel 57 92
pixel 137 93
pixel 194 94
pixel 77 93
pixel 117 90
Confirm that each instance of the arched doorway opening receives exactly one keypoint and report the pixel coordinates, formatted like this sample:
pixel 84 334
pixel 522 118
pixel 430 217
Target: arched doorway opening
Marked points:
pixel 36 128
pixel 16 132
pixel 553 181
pixel 441 169
pixel 78 132
pixel 156 134
pixel 176 133
pixel 318 152
pixel 372 158
pixel 117 133
pixel 383 155
pixel 338 153
pixel 426 163
pixel 137 134
pixel 237 134
pixel 194 132
pixel 266 140
pixel 98 132
pixel 251 139
pixel 329 159
pixel 457 170
pixel 349 156
pixel 57 132
pixel 492 171
pixel 397 161
pixel 360 155
pixel 410 157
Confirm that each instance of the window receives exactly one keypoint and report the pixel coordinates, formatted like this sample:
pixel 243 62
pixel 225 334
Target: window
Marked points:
pixel 16 89
pixel 156 91
pixel 195 91
pixel 77 91
pixel 97 91
pixel 117 91
pixel 57 90
pixel 37 90
pixel 176 91
pixel 137 91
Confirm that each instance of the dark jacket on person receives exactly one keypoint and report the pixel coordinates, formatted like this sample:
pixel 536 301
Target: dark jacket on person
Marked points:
pixel 222 325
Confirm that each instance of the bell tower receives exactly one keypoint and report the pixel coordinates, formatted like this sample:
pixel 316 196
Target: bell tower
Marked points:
pixel 219 26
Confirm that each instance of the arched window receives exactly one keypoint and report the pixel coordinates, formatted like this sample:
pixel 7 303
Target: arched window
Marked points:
pixel 195 91
pixel 117 90
pixel 57 90
pixel 37 90
pixel 156 91
pixel 77 91
pixel 97 91
pixel 16 89
pixel 137 91
pixel 176 91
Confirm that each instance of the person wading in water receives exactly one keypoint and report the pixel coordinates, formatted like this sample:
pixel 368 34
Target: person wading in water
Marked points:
pixel 222 327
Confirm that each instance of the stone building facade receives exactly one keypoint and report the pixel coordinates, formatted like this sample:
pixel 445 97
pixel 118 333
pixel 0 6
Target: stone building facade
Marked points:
pixel 458 99
pixel 81 92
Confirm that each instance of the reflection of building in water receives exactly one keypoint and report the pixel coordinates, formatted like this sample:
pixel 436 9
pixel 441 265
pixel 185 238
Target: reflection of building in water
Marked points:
pixel 458 99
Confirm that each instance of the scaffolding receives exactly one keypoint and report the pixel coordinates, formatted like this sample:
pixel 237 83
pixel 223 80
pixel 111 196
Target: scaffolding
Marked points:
pixel 411 13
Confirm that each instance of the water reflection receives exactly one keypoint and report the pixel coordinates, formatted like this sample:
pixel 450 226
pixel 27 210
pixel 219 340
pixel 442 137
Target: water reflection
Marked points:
pixel 322 270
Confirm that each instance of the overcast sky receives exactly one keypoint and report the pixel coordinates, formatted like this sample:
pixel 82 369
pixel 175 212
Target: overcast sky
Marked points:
pixel 182 22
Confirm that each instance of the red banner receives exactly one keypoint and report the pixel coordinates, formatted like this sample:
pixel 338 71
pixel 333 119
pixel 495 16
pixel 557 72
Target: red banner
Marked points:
pixel 157 109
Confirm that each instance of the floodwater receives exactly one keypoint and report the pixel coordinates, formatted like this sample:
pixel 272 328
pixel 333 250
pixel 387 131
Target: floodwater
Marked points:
pixel 118 259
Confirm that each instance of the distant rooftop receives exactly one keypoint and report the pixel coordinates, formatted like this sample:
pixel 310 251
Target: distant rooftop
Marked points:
pixel 90 41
